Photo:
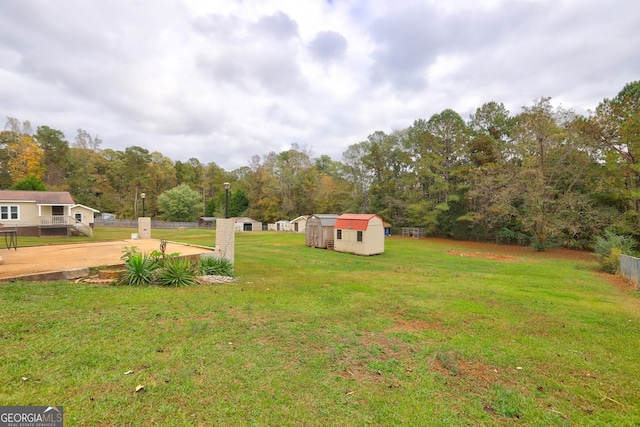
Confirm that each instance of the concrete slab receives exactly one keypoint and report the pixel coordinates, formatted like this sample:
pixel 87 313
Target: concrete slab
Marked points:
pixel 62 262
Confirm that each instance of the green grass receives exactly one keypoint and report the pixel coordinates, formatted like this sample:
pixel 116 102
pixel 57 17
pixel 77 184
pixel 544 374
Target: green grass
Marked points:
pixel 305 336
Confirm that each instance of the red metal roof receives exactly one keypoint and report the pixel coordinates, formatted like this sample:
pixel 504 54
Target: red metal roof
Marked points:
pixel 354 221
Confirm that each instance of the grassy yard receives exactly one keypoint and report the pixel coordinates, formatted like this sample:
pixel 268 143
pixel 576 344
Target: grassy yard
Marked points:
pixel 429 333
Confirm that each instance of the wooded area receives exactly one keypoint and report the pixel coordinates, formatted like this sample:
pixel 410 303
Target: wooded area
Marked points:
pixel 543 176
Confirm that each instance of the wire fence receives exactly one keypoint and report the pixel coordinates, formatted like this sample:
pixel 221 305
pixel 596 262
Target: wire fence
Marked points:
pixel 415 232
pixel 154 223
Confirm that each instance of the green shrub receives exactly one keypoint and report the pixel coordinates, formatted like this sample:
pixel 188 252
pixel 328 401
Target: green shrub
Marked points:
pixel 176 272
pixel 506 235
pixel 157 268
pixel 610 246
pixel 139 269
pixel 129 251
pixel 210 266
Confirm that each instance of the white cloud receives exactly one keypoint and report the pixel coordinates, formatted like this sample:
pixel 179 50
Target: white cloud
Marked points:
pixel 223 81
pixel 328 46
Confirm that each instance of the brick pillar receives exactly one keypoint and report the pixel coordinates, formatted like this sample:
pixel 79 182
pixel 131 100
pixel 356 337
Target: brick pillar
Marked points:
pixel 225 239
pixel 144 227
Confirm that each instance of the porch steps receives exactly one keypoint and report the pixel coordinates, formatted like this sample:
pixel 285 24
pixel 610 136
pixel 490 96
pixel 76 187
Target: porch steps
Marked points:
pixel 81 230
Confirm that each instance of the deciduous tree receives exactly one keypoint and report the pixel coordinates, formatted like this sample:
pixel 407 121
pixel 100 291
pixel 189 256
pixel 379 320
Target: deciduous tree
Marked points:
pixel 180 203
pixel 55 149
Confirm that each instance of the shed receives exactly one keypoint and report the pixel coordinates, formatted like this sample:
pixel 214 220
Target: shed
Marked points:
pixel 206 221
pixel 361 234
pixel 299 224
pixel 387 228
pixel 319 230
pixel 246 224
pixel 282 225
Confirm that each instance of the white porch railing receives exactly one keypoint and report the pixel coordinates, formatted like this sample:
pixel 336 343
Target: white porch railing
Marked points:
pixel 65 221
pixel 56 220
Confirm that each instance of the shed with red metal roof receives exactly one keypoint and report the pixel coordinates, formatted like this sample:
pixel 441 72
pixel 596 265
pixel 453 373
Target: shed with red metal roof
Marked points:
pixel 361 234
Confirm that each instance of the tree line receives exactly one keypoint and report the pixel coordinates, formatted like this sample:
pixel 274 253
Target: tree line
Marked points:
pixel 543 176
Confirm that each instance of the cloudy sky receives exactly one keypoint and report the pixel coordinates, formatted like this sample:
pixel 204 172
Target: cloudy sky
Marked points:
pixel 223 80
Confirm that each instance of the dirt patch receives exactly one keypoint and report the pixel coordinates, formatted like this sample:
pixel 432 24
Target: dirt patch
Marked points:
pixel 376 358
pixel 416 325
pixel 619 282
pixel 452 364
pixel 483 255
pixel 513 250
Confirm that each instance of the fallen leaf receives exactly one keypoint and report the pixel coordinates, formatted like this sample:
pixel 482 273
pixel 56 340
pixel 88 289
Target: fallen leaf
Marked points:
pixel 139 388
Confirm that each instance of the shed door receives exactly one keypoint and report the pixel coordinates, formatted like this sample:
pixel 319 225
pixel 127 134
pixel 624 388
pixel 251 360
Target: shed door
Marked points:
pixel 313 235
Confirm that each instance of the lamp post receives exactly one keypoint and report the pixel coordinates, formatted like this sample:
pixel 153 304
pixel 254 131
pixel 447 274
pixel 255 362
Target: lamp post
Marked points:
pixel 226 200
pixel 143 197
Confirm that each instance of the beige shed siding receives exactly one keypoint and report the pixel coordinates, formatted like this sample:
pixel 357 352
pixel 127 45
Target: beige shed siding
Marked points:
pixel 372 239
pixel 298 225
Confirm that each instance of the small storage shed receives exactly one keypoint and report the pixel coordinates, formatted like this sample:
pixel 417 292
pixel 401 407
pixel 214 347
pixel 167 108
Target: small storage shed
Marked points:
pixel 387 228
pixel 206 221
pixel 361 234
pixel 282 225
pixel 299 224
pixel 320 230
pixel 246 224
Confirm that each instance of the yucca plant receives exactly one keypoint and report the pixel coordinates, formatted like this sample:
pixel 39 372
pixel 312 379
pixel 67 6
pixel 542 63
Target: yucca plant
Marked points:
pixel 610 246
pixel 139 269
pixel 210 266
pixel 176 272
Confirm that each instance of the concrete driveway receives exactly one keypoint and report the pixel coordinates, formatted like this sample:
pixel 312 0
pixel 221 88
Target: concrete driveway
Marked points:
pixel 55 262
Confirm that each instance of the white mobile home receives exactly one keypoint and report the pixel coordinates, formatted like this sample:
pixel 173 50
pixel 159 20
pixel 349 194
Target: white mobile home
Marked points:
pixel 44 213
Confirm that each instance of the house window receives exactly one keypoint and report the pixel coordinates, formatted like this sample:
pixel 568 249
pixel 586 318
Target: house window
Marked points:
pixel 57 210
pixel 339 234
pixel 78 217
pixel 9 212
pixel 359 236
